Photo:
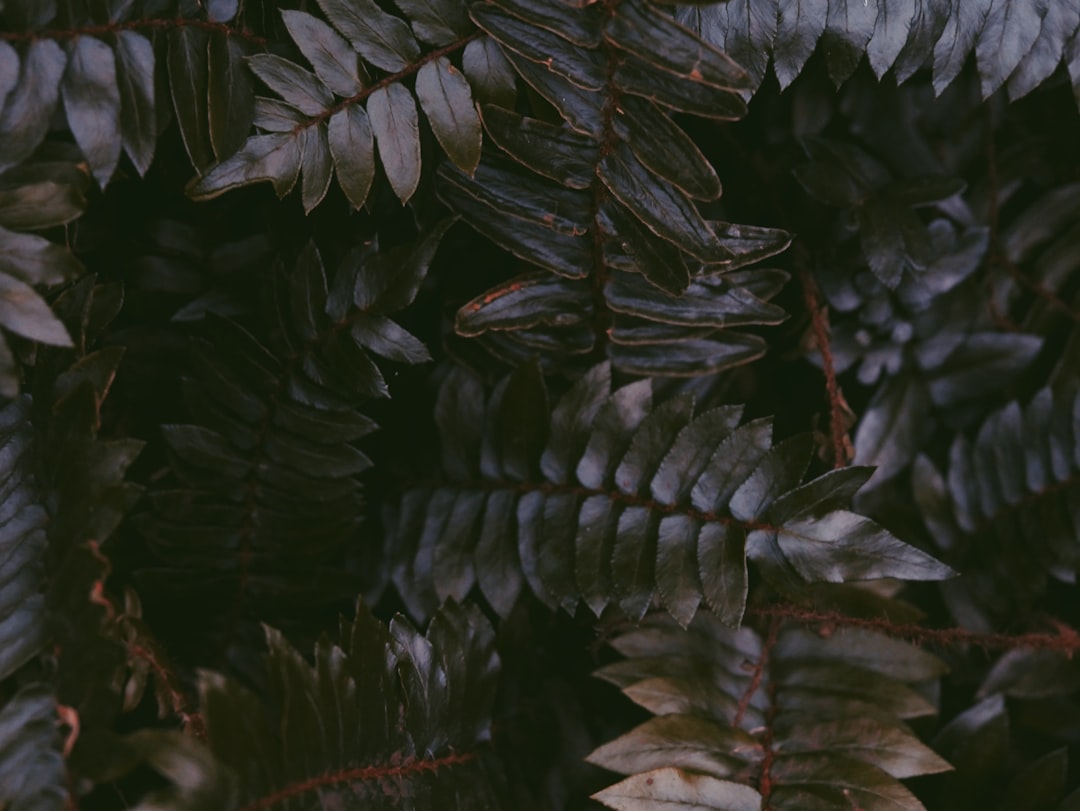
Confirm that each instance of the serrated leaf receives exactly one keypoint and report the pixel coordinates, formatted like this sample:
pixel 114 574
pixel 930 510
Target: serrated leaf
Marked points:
pixel 676 790
pixel 843 546
pixel 962 30
pixel 437 22
pixel 1009 33
pixel 680 741
pixel 800 25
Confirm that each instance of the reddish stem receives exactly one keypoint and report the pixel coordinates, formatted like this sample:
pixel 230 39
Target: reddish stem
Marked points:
pixel 758 672
pixel 147 649
pixel 356 774
pixel 756 678
pixel 1064 640
pixel 169 684
pixel 819 319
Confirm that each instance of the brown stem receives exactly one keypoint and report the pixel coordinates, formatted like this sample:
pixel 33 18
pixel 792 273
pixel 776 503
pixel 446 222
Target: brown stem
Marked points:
pixel 1064 639
pixel 356 774
pixel 838 407
pixel 145 648
pixel 756 678
pixel 602 320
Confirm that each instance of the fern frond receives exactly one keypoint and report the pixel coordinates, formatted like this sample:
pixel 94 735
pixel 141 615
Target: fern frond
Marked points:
pixel 331 120
pixel 615 498
pixel 1015 45
pixel 99 64
pixel 386 718
pixel 615 196
pixel 787 719
pixel 267 477
pixel 1005 508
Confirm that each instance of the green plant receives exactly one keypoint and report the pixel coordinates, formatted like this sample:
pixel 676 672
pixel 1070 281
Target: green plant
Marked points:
pixel 325 323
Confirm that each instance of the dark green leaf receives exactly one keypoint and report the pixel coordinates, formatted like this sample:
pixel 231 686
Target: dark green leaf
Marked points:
pixel 135 78
pixel 396 126
pixel 690 357
pixel 663 147
pixel 382 39
pixel 9 71
pixel 663 208
pixel 1007 36
pixel 189 81
pixel 842 546
pixel 437 22
pixel 848 30
pixel 558 18
pixel 558 153
pixel 273 157
pixel 638 29
pixel 29 106
pixel 641 78
pixel 676 790
pixel 330 55
pixel 962 30
pixel 35 260
pixel 25 313
pixel 530 222
pixel 447 101
pixel 580 66
pixel 352 145
pixel 658 260
pixel 799 25
pixel 710 302
pixel 39 196
pixel 318 166
pixel 489 73
pixel 526 301
pixel 232 95
pixel 298 87
pixel 274 115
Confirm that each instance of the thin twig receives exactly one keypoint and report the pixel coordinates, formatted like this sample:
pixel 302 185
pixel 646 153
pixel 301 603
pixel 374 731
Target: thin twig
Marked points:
pixel 1064 640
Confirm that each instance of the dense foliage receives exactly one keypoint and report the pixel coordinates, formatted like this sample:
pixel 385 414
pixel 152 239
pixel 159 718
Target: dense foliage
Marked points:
pixel 539 404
